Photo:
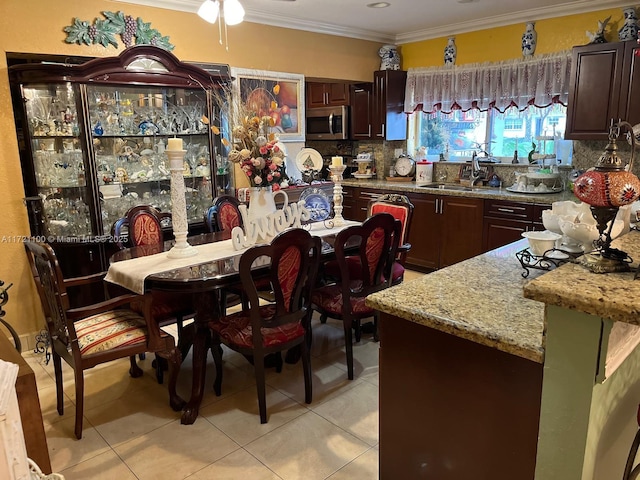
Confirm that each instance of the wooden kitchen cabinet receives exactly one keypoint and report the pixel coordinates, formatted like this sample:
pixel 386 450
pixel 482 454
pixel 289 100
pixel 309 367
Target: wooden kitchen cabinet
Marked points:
pixel 605 85
pixel 361 110
pixel 444 230
pixel 326 94
pixel 356 202
pixel 389 120
pixel 504 222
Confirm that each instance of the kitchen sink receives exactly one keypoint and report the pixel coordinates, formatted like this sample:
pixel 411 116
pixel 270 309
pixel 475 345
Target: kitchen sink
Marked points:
pixel 446 186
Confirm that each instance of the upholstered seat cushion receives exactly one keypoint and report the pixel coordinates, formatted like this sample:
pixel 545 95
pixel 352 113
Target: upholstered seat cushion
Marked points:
pixel 329 299
pixel 237 329
pixel 109 330
pixel 332 269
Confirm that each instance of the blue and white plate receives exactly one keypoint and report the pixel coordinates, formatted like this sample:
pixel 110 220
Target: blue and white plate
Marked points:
pixel 317 203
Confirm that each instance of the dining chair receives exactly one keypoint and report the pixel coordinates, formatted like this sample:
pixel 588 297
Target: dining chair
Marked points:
pixel 374 244
pixel 262 328
pixel 90 335
pixel 402 209
pixel 143 225
pixel 224 214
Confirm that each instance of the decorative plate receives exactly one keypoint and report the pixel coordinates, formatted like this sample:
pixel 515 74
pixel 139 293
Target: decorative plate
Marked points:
pixel 309 159
pixel 317 203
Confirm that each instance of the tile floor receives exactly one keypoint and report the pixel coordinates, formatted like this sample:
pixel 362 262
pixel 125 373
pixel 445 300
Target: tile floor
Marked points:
pixel 131 433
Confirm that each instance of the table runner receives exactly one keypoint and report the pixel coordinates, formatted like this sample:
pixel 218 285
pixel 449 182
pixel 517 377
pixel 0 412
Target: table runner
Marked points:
pixel 131 274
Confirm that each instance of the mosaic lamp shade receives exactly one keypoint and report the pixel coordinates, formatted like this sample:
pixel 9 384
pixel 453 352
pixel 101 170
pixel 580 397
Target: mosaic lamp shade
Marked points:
pixel 609 185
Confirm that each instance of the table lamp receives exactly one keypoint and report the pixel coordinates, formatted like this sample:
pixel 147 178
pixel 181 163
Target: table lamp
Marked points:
pixel 606 188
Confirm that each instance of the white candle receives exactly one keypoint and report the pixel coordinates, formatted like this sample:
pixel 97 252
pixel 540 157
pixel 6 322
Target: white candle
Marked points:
pixel 174 144
pixel 336 161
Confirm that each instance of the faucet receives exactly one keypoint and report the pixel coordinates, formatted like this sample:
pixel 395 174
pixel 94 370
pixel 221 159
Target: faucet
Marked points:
pixel 475 170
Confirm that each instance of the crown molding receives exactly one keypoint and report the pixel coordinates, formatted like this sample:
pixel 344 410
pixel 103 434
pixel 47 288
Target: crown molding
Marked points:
pixel 509 19
pixel 266 18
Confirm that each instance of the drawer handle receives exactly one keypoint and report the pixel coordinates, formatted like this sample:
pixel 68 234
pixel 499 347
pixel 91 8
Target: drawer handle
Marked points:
pixel 507 210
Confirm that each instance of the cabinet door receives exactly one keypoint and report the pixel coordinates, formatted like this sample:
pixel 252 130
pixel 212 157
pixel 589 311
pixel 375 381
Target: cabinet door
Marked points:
pixel 390 122
pixel 316 95
pixel 56 160
pixel 349 202
pixel 630 91
pixel 461 229
pixel 130 129
pixel 361 114
pixel 594 90
pixel 504 222
pixel 424 235
pixel 498 232
pixel 337 94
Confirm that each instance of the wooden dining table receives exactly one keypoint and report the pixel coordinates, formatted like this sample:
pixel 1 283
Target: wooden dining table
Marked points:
pixel 202 279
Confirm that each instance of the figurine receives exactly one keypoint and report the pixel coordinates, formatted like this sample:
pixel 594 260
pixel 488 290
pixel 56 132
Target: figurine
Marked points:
pixel 598 36
pixel 390 57
pixel 529 40
pixel 629 30
pixel 450 51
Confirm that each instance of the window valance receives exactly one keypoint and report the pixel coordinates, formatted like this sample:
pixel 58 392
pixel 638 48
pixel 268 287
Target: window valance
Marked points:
pixel 538 81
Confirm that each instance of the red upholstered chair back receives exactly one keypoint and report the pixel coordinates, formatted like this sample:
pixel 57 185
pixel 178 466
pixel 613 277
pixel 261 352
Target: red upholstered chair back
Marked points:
pixel 224 214
pixel 378 240
pixel 397 205
pixel 295 257
pixel 143 226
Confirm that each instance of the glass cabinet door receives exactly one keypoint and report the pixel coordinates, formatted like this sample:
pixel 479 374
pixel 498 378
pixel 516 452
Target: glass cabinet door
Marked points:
pixel 130 127
pixel 58 159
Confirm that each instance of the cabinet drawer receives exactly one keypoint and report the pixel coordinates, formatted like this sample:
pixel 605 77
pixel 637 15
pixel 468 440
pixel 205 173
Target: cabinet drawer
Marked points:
pixel 508 210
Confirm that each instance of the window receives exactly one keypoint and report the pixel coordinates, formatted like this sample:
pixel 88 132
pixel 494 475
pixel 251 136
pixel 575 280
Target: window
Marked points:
pixel 491 133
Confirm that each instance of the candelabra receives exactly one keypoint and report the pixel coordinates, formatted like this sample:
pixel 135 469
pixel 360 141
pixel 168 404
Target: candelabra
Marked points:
pixel 336 177
pixel 181 249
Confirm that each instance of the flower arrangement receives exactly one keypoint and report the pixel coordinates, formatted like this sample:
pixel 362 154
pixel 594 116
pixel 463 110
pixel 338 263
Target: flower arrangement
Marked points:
pixel 253 144
pixel 258 153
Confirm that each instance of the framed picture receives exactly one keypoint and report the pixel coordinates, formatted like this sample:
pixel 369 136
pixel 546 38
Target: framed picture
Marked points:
pixel 279 95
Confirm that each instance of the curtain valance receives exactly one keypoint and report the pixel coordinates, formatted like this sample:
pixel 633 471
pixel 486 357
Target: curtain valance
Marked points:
pixel 538 81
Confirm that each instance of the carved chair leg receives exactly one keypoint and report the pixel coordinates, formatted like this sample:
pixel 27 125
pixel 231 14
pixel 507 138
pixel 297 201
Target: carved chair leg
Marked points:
pixel 258 366
pixel 349 347
pixel 174 359
pixel 79 378
pixel 216 351
pixel 57 367
pixel 135 371
pixel 358 330
pixel 306 369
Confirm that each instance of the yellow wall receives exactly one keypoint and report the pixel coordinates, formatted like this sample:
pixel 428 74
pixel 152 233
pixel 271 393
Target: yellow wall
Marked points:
pixel 35 26
pixel 503 43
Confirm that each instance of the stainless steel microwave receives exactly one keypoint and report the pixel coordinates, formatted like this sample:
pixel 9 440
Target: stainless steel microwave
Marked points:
pixel 327 123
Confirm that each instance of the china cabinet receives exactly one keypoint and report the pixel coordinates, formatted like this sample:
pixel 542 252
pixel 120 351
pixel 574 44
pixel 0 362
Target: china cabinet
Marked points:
pixel 94 138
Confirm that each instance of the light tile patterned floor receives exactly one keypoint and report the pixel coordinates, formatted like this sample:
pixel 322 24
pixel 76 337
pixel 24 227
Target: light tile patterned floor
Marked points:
pixel 131 433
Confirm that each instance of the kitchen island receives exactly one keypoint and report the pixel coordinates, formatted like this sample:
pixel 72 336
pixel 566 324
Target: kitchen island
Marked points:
pixel 485 374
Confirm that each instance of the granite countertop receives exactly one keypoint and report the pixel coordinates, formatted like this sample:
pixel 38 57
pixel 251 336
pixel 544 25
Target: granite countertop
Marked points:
pixel 615 296
pixel 479 299
pixel 475 192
